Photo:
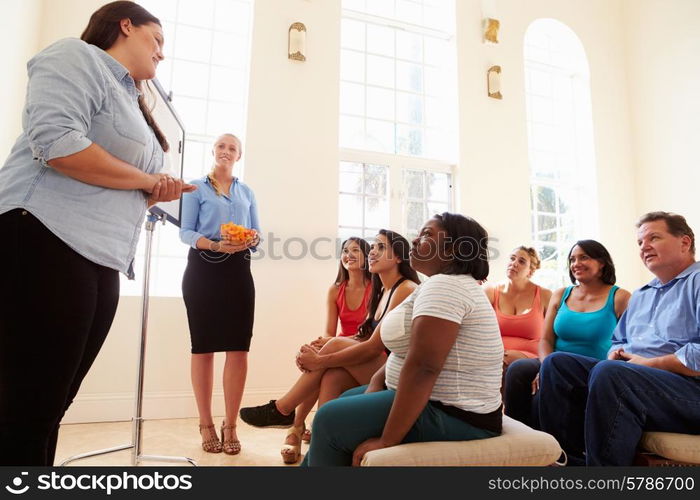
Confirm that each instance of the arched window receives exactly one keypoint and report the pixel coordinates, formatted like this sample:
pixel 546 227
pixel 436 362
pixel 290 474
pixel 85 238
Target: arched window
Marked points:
pixel 560 144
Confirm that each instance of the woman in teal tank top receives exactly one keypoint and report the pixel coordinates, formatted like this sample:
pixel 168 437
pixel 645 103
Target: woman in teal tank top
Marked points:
pixel 580 319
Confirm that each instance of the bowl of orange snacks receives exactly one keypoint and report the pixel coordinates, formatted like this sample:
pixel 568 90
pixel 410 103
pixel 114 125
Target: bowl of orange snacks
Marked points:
pixel 237 234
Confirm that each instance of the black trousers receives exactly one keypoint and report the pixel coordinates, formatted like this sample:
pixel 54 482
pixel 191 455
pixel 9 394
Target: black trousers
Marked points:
pixel 518 399
pixel 56 308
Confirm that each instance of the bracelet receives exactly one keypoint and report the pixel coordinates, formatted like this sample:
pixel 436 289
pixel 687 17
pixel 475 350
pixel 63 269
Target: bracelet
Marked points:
pixel 211 246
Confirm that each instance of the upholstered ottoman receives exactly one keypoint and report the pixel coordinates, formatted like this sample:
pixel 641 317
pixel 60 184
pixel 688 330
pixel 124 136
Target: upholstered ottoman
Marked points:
pixel 668 448
pixel 517 445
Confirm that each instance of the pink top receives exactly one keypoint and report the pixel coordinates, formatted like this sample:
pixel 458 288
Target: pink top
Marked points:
pixel 521 332
pixel 351 319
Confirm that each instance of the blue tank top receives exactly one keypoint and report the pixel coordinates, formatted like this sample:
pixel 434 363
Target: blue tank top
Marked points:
pixel 585 333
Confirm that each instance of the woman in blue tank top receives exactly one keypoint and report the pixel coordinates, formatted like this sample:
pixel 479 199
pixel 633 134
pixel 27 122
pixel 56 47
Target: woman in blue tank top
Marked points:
pixel 580 319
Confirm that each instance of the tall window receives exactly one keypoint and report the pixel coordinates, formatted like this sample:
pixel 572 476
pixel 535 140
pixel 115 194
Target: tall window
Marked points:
pixel 561 151
pixel 397 108
pixel 206 66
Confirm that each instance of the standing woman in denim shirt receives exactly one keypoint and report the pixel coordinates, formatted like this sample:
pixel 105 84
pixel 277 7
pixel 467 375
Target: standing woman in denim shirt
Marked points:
pixel 73 195
pixel 218 289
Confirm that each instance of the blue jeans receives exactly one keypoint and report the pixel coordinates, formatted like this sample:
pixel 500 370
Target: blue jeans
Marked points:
pixel 603 407
pixel 342 424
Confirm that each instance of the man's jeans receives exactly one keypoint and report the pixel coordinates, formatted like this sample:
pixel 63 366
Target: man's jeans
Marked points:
pixel 603 407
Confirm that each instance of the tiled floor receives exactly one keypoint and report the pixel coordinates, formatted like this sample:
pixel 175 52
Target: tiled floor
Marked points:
pixel 176 437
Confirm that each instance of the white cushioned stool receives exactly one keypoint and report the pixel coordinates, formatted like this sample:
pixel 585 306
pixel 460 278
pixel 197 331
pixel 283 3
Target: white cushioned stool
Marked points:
pixel 517 445
pixel 668 448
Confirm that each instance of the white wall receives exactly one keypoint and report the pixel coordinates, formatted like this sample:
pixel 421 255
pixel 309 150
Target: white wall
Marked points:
pixel 663 46
pixel 19 34
pixel 292 157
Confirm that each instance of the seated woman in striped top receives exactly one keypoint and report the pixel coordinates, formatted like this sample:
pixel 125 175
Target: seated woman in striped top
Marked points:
pixel 352 360
pixel 442 379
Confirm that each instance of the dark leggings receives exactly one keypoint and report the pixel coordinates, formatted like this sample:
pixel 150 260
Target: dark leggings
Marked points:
pixel 56 308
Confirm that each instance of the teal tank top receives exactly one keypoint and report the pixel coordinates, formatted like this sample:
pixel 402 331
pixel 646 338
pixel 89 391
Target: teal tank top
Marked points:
pixel 585 333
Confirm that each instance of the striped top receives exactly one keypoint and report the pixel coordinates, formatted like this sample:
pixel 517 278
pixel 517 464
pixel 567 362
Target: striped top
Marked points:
pixel 471 376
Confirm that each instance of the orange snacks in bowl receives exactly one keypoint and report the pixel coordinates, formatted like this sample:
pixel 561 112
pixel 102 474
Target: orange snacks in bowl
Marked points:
pixel 235 233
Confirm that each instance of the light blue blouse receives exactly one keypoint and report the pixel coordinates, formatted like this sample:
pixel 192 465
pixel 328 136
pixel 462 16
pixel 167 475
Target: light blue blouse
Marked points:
pixel 203 211
pixel 77 95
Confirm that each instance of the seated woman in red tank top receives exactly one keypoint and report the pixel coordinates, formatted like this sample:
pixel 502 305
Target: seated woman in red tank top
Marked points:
pixel 520 306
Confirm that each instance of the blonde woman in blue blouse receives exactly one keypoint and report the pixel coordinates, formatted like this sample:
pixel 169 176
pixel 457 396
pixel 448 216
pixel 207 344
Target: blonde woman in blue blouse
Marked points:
pixel 218 281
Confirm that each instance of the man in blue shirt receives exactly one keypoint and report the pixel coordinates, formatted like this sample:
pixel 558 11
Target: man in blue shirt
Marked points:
pixel 598 410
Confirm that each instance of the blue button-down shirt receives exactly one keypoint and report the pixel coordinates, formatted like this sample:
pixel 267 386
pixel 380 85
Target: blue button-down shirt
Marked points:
pixel 78 95
pixel 203 211
pixel 664 319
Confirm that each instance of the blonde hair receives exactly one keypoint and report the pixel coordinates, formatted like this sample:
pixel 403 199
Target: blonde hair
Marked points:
pixel 214 183
pixel 535 261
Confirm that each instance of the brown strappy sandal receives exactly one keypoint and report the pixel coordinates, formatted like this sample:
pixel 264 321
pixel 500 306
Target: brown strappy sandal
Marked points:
pixel 210 442
pixel 231 446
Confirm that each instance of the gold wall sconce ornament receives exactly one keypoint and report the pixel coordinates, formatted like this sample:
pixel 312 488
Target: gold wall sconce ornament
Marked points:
pixel 490 30
pixel 297 42
pixel 493 81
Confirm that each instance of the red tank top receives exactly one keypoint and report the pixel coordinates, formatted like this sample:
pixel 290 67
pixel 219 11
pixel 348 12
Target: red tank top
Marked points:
pixel 351 319
pixel 521 332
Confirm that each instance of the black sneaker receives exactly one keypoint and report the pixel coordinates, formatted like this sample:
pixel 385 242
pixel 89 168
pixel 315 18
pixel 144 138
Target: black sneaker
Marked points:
pixel 266 416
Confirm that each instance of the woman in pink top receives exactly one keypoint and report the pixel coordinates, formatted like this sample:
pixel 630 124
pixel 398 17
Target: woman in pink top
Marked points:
pixel 520 306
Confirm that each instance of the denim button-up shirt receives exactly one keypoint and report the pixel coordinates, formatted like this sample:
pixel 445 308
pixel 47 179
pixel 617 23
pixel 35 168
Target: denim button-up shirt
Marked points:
pixel 664 319
pixel 203 211
pixel 78 95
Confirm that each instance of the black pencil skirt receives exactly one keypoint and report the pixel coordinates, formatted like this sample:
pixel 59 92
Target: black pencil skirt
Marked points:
pixel 219 295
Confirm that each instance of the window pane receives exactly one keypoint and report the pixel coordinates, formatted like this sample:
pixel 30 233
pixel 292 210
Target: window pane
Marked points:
pixel 415 215
pixel 350 210
pixel 199 13
pixel 376 180
pixel 380 103
pixel 165 10
pixel 439 187
pixel 352 35
pixel 352 98
pixel 376 212
pixel 380 71
pixel 227 85
pixel 352 66
pixel 409 46
pixel 413 183
pixel 350 177
pixel 409 108
pixel 409 140
pixel 380 136
pixel 231 16
pixel 193 113
pixel 409 76
pixel 191 79
pixel 224 117
pixel 351 132
pixel 380 40
pixel 194 166
pixel 545 222
pixel 436 208
pixel 230 50
pixel 546 199
pixel 193 44
pixel 409 11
